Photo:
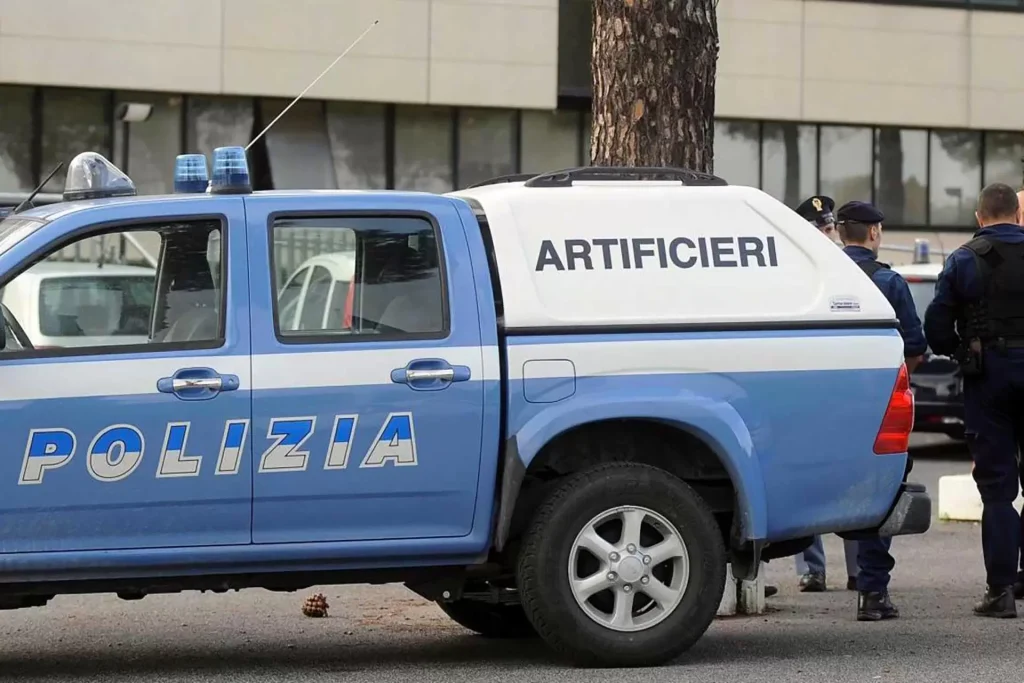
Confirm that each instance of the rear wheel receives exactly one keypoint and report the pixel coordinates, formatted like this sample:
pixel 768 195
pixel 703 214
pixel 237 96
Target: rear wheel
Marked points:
pixel 488 620
pixel 623 565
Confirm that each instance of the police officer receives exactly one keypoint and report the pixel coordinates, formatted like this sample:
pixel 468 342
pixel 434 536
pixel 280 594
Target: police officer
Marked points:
pixel 977 317
pixel 810 565
pixel 860 228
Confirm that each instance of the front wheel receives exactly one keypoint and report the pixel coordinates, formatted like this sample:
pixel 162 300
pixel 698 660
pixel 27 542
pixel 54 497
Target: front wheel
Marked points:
pixel 623 565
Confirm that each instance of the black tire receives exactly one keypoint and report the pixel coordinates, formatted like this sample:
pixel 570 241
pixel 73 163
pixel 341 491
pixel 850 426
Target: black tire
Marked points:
pixel 488 620
pixel 543 561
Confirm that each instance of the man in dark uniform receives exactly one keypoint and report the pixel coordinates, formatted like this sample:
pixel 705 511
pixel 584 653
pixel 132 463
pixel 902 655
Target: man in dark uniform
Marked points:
pixel 860 227
pixel 817 210
pixel 977 317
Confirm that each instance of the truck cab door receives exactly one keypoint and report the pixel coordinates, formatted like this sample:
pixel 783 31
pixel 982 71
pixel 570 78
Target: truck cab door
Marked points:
pixel 138 438
pixel 368 416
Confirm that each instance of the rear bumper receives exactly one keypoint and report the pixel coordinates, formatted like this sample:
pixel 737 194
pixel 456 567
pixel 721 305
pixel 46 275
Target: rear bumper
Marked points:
pixel 910 514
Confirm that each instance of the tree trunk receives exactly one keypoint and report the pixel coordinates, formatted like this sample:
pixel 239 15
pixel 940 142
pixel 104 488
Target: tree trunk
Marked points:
pixel 891 192
pixel 653 65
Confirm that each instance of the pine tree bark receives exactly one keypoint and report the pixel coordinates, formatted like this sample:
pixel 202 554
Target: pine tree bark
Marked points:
pixel 654 64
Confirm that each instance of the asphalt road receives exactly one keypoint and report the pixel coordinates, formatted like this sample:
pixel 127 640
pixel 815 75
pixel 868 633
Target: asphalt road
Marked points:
pixel 386 634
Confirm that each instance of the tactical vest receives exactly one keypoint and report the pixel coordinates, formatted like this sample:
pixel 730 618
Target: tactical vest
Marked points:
pixel 871 267
pixel 999 313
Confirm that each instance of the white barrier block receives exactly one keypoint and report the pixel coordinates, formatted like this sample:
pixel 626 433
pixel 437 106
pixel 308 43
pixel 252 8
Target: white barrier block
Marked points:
pixel 959 500
pixel 727 607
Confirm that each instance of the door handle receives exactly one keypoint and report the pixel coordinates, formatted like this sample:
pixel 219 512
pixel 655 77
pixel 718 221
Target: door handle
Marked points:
pixel 430 374
pixel 197 384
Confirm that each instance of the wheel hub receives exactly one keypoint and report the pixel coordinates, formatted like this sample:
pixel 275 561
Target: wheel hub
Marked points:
pixel 630 568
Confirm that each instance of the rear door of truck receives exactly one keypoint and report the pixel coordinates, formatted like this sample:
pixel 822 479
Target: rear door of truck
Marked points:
pixel 368 410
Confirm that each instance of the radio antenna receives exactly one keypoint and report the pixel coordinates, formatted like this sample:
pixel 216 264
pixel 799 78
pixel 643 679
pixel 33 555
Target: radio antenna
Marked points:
pixel 315 81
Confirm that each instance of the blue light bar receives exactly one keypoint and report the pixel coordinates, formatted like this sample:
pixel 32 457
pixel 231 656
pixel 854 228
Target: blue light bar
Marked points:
pixel 91 176
pixel 190 174
pixel 230 171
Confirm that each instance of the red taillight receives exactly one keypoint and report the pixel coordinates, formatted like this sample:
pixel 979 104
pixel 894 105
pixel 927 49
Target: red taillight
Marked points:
pixel 898 423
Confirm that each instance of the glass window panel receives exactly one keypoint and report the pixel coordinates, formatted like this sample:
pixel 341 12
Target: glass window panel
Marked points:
pixel 218 122
pixel 297 146
pixel 357 136
pixel 901 175
pixel 737 152
pixel 846 163
pixel 789 162
pixel 955 176
pixel 550 141
pixel 152 144
pixel 486 144
pixel 1003 152
pixel 588 122
pixel 423 149
pixel 74 121
pixel 16 139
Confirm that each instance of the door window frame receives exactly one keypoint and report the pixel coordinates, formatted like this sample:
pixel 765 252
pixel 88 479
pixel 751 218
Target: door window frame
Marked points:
pixel 357 274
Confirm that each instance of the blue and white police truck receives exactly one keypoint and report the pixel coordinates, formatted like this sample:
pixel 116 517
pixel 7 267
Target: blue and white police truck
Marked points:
pixel 558 406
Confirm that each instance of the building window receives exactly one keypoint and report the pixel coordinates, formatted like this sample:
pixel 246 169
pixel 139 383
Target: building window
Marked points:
pixel 789 162
pixel 218 122
pixel 357 134
pixel 738 152
pixel 423 149
pixel 1003 152
pixel 550 141
pixel 297 146
pixel 16 139
pixel 901 175
pixel 588 129
pixel 487 146
pixel 955 177
pixel 74 121
pixel 846 163
pixel 152 144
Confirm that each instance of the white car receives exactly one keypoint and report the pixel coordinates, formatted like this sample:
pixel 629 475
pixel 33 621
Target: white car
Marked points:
pixel 318 294
pixel 62 304
pixel 921 278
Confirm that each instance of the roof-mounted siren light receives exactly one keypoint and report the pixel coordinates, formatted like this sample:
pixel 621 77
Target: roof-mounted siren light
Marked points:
pixel 230 171
pixel 91 176
pixel 190 174
pixel 922 251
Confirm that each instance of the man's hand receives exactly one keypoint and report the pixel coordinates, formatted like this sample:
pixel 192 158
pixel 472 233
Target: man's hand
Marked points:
pixel 913 362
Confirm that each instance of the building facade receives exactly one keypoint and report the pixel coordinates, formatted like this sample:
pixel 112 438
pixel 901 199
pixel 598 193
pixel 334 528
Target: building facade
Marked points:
pixel 915 105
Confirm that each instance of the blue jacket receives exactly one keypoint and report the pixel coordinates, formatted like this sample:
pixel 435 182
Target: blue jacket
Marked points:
pixel 958 285
pixel 896 290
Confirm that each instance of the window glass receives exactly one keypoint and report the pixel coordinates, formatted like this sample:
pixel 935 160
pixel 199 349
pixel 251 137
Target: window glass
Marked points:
pixel 550 141
pixel 789 162
pixel 151 285
pixel 1003 152
pixel 901 175
pixel 358 149
pixel 74 121
pixel 955 177
pixel 846 163
pixel 16 139
pixel 737 152
pixel 152 144
pixel 386 283
pixel 300 156
pixel 486 144
pixel 423 149
pixel 588 130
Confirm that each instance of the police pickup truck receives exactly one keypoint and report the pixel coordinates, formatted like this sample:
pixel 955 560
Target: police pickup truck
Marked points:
pixel 557 406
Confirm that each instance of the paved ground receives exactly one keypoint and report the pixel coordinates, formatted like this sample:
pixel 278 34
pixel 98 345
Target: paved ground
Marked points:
pixel 387 634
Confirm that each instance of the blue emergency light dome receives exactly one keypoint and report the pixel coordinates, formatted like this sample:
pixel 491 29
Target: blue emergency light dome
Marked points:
pixel 190 174
pixel 91 176
pixel 230 171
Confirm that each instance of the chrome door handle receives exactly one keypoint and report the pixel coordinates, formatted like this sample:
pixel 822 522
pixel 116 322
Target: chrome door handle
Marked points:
pixel 181 384
pixel 446 374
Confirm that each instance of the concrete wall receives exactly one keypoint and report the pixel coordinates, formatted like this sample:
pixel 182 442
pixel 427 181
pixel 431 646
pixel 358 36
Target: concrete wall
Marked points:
pixel 825 60
pixel 456 52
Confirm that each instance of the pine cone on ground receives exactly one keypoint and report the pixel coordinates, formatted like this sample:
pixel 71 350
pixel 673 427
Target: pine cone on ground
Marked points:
pixel 315 605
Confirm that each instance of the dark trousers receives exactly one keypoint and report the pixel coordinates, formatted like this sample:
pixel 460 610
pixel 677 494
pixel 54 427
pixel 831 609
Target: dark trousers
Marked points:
pixel 876 564
pixel 994 428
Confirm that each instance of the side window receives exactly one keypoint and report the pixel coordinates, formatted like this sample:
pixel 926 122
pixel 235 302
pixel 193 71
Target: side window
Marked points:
pixel 379 276
pixel 288 300
pixel 130 289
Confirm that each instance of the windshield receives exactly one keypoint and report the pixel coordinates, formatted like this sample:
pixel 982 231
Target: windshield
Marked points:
pixel 13 230
pixel 95 306
pixel 922 293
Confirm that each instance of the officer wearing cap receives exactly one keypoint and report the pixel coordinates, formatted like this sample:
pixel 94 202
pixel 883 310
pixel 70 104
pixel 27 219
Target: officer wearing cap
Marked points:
pixel 977 317
pixel 817 210
pixel 860 228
